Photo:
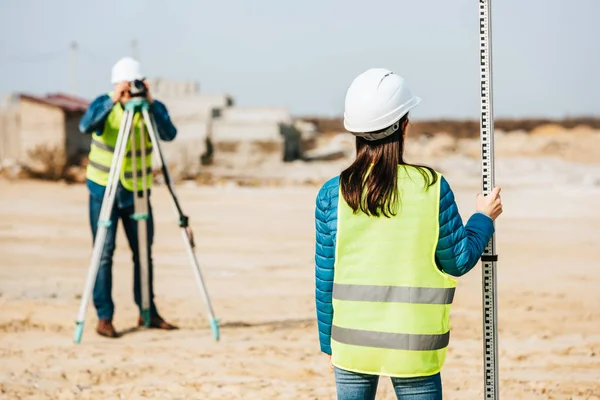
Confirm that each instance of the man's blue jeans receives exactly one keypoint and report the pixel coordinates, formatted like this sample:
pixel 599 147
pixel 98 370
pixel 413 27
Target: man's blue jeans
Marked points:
pixel 355 386
pixel 103 286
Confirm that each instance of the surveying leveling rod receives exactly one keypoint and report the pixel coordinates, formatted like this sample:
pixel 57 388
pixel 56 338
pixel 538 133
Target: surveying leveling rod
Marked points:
pixel 489 257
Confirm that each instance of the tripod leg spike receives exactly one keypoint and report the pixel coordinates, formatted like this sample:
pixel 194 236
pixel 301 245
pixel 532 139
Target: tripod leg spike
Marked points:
pixel 78 331
pixel 214 326
pixel 146 317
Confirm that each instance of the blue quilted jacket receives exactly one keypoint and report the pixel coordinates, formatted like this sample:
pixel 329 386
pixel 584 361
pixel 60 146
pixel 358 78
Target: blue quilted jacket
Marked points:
pixel 458 250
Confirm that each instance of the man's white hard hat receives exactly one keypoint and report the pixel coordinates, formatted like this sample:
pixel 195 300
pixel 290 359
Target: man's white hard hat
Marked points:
pixel 377 99
pixel 126 69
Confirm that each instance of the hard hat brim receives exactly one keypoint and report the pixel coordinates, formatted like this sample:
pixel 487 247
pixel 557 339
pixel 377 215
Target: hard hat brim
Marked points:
pixel 123 79
pixel 385 122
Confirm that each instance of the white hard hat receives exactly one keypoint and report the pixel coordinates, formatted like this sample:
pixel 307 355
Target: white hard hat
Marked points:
pixel 126 69
pixel 377 99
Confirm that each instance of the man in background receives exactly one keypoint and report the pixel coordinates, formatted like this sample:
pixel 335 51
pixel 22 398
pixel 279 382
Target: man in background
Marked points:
pixel 102 120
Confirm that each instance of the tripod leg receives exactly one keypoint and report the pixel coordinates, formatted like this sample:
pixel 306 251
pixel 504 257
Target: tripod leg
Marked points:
pixel 141 216
pixel 103 222
pixel 184 225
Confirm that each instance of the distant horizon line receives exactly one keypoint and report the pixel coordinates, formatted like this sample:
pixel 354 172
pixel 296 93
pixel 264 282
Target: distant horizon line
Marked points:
pixel 594 118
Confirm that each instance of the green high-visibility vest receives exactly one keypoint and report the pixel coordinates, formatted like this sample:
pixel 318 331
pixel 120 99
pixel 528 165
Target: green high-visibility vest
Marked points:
pixel 102 150
pixel 391 303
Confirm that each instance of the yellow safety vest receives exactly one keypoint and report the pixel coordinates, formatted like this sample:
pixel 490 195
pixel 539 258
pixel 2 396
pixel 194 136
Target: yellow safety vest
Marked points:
pixel 103 147
pixel 391 304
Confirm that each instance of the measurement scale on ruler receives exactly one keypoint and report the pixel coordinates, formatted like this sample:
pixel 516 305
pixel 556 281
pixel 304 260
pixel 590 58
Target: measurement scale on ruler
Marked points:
pixel 489 257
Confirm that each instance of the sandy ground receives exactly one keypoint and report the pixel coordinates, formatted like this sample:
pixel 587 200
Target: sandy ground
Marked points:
pixel 256 247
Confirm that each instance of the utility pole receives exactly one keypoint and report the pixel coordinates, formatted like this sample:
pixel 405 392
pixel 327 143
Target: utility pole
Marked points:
pixel 74 48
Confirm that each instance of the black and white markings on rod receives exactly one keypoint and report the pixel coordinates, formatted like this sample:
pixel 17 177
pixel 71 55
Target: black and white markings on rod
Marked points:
pixel 489 257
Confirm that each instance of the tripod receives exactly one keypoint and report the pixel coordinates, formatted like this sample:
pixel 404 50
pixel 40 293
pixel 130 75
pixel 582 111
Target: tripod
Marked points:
pixel 126 132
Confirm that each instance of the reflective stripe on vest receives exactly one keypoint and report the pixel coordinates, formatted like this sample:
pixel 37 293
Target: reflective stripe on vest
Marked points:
pixel 393 294
pixel 103 147
pixel 391 303
pixel 127 175
pixel 385 340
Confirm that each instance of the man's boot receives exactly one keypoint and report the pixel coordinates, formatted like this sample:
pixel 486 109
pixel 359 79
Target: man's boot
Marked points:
pixel 158 323
pixel 105 328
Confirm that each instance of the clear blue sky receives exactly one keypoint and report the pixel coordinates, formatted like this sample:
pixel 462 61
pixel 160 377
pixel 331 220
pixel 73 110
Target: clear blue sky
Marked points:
pixel 304 54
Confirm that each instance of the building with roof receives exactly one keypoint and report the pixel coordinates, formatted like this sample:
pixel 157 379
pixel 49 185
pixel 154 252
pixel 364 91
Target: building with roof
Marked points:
pixel 35 129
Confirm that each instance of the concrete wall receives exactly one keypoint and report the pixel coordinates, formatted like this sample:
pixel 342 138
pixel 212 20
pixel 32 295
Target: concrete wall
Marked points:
pixel 192 113
pixel 194 108
pixel 28 126
pixel 200 117
pixel 41 127
pixel 231 131
pixel 183 154
pixel 307 129
pixel 172 88
pixel 10 145
pixel 248 130
pixel 192 116
pixel 264 115
pixel 78 144
pixel 260 124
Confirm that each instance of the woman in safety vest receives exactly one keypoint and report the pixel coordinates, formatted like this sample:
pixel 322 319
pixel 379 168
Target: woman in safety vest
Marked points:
pixel 388 239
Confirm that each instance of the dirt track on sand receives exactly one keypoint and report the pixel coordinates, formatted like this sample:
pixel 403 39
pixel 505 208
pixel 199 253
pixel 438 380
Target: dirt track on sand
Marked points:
pixel 256 248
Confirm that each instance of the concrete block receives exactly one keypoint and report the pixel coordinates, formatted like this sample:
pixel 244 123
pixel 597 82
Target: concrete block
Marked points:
pixel 161 87
pixel 257 114
pixel 224 130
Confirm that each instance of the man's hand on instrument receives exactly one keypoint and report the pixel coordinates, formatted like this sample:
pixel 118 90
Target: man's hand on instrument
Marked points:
pixel 121 89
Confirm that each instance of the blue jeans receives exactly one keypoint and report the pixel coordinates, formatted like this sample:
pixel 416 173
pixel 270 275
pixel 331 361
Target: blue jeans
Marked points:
pixel 355 386
pixel 122 209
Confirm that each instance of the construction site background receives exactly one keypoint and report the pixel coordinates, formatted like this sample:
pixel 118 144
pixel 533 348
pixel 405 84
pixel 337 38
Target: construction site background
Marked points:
pixel 219 142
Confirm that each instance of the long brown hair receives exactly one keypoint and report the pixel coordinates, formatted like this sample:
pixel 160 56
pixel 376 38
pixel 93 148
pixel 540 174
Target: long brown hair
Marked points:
pixel 370 183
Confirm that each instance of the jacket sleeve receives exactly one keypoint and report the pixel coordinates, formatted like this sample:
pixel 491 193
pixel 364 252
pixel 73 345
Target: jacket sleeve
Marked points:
pixel 95 116
pixel 325 219
pixel 460 247
pixel 164 125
